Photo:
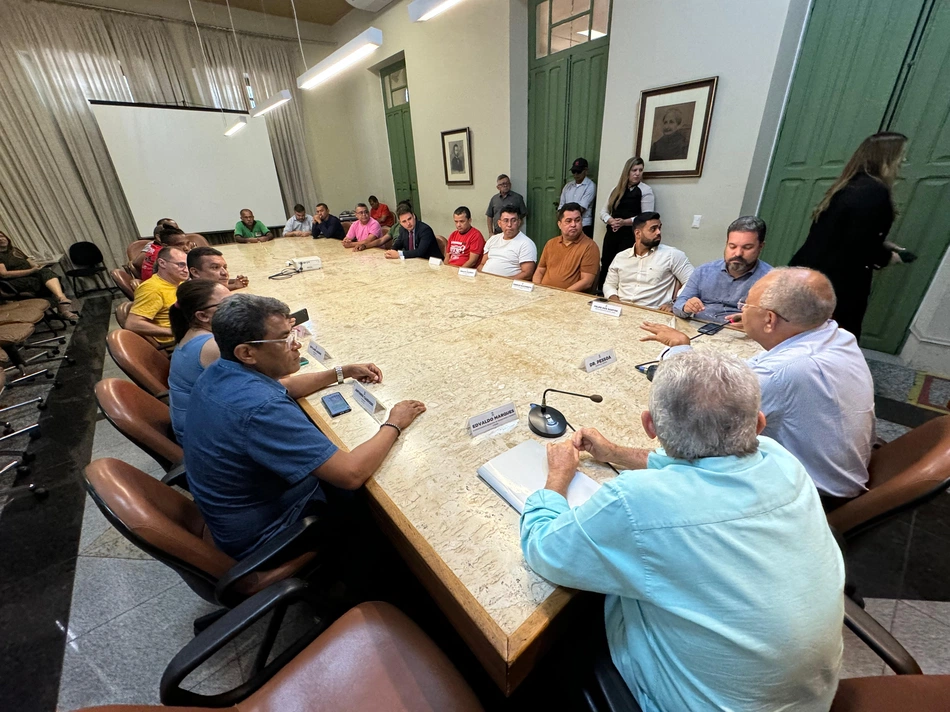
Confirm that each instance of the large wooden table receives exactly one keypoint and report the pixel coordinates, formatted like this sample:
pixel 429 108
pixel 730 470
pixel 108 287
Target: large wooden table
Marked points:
pixel 464 345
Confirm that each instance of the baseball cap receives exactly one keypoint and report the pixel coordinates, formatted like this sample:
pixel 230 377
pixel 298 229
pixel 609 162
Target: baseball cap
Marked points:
pixel 579 165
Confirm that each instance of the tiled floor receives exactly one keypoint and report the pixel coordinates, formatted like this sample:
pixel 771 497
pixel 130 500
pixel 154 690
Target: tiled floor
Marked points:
pixel 128 615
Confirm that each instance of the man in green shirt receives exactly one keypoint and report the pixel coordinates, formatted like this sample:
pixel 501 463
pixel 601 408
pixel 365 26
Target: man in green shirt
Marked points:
pixel 250 230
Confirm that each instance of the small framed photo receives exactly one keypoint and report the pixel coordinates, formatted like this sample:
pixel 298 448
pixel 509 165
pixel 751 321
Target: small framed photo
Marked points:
pixel 673 128
pixel 457 156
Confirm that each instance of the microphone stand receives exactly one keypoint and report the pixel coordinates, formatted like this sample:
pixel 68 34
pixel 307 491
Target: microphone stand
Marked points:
pixel 549 422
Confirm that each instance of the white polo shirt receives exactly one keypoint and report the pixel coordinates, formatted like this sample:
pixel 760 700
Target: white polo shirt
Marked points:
pixel 647 281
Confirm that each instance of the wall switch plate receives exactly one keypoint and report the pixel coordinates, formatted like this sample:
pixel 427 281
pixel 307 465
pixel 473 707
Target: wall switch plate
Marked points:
pixel 696 219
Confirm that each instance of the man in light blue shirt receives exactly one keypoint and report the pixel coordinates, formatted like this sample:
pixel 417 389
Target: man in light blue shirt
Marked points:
pixel 724 583
pixel 580 190
pixel 300 225
pixel 817 391
pixel 715 288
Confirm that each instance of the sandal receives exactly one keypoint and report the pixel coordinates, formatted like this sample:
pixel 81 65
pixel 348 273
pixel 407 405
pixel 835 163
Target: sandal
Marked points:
pixel 64 310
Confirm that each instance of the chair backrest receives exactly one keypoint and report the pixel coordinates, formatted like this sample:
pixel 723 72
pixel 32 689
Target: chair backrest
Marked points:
pixel 199 240
pixel 122 313
pixel 139 360
pixel 385 232
pixel 135 249
pixel 123 280
pixel 346 226
pixel 85 254
pixel 141 417
pixel 442 243
pixel 904 473
pixel 159 520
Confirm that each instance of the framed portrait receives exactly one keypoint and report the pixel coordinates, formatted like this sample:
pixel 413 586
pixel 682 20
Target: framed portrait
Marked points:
pixel 673 128
pixel 457 156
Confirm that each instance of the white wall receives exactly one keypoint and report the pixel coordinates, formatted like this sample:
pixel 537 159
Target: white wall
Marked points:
pixel 928 344
pixel 655 44
pixel 460 74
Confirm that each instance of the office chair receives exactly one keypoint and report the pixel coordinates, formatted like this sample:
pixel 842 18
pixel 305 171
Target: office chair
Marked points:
pixel 122 310
pixel 123 280
pixel 442 244
pixel 89 263
pixel 139 360
pixel 142 418
pixel 135 249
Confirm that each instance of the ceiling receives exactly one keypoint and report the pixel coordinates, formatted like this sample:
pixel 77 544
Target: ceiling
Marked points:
pixel 322 12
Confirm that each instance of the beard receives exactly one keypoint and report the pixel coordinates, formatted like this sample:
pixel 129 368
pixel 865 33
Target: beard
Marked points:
pixel 739 264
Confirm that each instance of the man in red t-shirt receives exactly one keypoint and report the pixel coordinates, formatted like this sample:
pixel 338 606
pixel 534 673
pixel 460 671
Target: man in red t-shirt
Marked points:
pixel 466 244
pixel 380 212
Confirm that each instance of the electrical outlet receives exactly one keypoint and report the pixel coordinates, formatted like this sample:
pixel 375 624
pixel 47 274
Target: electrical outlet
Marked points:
pixel 696 219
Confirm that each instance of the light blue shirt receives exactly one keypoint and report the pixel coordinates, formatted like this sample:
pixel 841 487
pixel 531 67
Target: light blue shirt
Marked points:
pixel 184 371
pixel 724 584
pixel 295 225
pixel 581 193
pixel 718 290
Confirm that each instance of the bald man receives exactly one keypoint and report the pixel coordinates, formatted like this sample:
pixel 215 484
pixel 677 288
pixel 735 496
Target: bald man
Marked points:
pixel 817 393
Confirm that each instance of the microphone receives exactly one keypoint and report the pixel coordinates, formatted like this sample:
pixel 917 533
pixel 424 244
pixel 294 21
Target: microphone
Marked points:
pixel 549 422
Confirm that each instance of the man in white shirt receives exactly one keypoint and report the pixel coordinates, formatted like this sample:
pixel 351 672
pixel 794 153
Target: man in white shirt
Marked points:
pixel 300 225
pixel 511 253
pixel 648 274
pixel 817 392
pixel 581 190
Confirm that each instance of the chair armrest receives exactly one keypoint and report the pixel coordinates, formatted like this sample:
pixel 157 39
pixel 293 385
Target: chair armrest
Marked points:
pixel 219 634
pixel 175 477
pixel 289 543
pixel 876 637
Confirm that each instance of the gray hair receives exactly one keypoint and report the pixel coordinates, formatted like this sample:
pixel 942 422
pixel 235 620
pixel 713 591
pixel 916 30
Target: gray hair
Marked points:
pixel 748 223
pixel 801 295
pixel 243 318
pixel 705 405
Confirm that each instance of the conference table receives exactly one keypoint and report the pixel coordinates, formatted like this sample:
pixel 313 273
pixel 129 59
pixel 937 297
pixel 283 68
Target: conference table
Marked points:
pixel 464 346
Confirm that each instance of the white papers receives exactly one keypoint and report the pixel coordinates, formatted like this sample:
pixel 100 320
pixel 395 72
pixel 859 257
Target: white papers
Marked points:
pixel 489 420
pixel 523 469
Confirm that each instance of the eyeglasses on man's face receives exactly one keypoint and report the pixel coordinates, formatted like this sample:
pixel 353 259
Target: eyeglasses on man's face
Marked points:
pixel 742 306
pixel 290 340
pixel 179 265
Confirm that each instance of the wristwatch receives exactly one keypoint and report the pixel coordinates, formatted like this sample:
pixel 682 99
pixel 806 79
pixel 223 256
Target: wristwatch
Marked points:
pixel 339 374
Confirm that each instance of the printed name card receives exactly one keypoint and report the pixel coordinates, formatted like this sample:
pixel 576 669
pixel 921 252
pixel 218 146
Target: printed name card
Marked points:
pixel 467 271
pixel 366 399
pixel 522 286
pixel 317 351
pixel 489 420
pixel 605 308
pixel 604 358
pixel 435 262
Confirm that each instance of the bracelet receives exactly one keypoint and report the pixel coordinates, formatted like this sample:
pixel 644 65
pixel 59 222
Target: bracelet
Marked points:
pixel 339 374
pixel 392 425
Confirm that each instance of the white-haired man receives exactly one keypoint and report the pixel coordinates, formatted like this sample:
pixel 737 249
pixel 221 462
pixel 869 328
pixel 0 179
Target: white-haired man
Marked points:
pixel 724 583
pixel 817 392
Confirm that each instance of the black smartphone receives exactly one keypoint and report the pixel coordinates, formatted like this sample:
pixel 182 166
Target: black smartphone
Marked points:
pixel 710 329
pixel 335 404
pixel 598 299
pixel 300 317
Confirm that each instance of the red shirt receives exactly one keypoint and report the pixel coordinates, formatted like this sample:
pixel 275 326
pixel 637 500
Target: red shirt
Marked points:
pixel 151 254
pixel 460 247
pixel 382 215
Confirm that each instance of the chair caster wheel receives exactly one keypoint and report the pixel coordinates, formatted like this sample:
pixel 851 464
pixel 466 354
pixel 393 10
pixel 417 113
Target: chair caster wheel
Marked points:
pixel 41 405
pixel 48 375
pixel 70 361
pixel 34 434
pixel 39 492
pixel 57 384
pixel 52 352
pixel 28 457
pixel 62 340
pixel 7 429
pixel 23 471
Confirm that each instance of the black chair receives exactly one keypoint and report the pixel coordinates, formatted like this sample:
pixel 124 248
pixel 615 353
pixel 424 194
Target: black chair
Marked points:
pixel 89 263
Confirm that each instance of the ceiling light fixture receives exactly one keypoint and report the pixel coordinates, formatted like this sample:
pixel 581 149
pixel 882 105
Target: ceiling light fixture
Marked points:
pixel 236 126
pixel 272 102
pixel 423 10
pixel 349 54
pixel 593 34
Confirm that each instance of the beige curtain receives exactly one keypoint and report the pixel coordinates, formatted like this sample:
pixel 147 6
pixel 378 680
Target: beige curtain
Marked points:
pixel 149 59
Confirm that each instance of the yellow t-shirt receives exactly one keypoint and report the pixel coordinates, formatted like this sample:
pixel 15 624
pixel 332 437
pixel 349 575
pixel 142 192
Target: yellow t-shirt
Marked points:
pixel 153 298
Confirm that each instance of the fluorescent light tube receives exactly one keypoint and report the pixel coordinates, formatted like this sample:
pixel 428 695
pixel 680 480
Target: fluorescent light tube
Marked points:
pixel 345 57
pixel 236 126
pixel 422 10
pixel 272 102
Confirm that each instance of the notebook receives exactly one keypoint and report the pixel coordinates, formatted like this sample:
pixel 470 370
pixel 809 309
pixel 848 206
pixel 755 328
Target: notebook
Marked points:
pixel 523 469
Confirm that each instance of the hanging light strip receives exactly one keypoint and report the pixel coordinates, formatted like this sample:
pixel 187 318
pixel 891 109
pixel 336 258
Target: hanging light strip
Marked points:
pixel 423 10
pixel 349 54
pixel 272 102
pixel 236 126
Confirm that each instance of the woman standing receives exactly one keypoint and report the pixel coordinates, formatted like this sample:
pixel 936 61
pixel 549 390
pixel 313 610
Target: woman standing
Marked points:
pixel 25 276
pixel 630 198
pixel 850 224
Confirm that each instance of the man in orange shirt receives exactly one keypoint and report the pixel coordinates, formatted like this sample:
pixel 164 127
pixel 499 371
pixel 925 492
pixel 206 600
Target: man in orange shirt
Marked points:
pixel 380 212
pixel 570 260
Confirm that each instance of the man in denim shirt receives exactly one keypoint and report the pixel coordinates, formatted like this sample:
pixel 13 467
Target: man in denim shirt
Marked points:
pixel 715 288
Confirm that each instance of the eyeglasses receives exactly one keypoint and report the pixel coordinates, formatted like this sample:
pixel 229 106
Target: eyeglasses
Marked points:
pixel 290 340
pixel 743 305
pixel 180 265
pixel 209 306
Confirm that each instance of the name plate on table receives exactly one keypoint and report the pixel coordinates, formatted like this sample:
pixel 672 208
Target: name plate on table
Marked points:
pixel 366 399
pixel 435 262
pixel 605 308
pixel 489 420
pixel 522 286
pixel 467 271
pixel 317 351
pixel 604 358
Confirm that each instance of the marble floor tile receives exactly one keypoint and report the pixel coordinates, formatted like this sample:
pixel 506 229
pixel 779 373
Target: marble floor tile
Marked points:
pixel 924 637
pixel 888 431
pixel 94 525
pixel 112 545
pixel 109 442
pixel 891 380
pixel 939 610
pixel 106 588
pixel 859 659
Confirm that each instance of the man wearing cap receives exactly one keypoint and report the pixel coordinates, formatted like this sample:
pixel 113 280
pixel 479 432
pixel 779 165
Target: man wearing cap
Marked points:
pixel 581 190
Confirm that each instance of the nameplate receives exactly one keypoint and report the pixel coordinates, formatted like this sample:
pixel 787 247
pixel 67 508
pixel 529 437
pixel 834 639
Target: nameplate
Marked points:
pixel 522 286
pixel 605 308
pixel 467 271
pixel 604 358
pixel 489 420
pixel 435 262
pixel 317 351
pixel 366 399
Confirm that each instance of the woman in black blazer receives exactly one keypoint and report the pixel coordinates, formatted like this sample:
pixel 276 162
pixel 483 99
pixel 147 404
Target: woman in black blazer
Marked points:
pixel 849 226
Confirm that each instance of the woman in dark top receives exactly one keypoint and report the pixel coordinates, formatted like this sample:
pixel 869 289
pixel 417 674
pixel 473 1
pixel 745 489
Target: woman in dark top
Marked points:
pixel 25 276
pixel 628 199
pixel 847 237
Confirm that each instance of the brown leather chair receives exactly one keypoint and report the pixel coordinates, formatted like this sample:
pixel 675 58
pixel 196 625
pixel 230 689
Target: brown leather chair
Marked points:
pixel 142 418
pixel 199 240
pixel 346 226
pixel 442 244
pixel 904 474
pixel 139 360
pixel 122 317
pixel 135 249
pixel 893 693
pixel 167 525
pixel 123 280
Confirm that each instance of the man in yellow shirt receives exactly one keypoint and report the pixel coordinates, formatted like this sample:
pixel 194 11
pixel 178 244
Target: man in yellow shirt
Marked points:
pixel 153 298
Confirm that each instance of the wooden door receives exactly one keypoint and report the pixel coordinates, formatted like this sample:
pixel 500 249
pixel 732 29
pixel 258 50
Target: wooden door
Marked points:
pixel 399 132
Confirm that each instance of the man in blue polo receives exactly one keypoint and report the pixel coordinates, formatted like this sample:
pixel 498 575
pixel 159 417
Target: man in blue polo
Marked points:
pixel 256 463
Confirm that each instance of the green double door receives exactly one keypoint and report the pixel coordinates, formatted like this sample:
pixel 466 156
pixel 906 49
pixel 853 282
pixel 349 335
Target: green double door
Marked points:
pixel 868 66
pixel 402 152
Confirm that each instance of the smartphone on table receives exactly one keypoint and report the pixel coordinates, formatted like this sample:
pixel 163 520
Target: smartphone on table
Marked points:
pixel 335 404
